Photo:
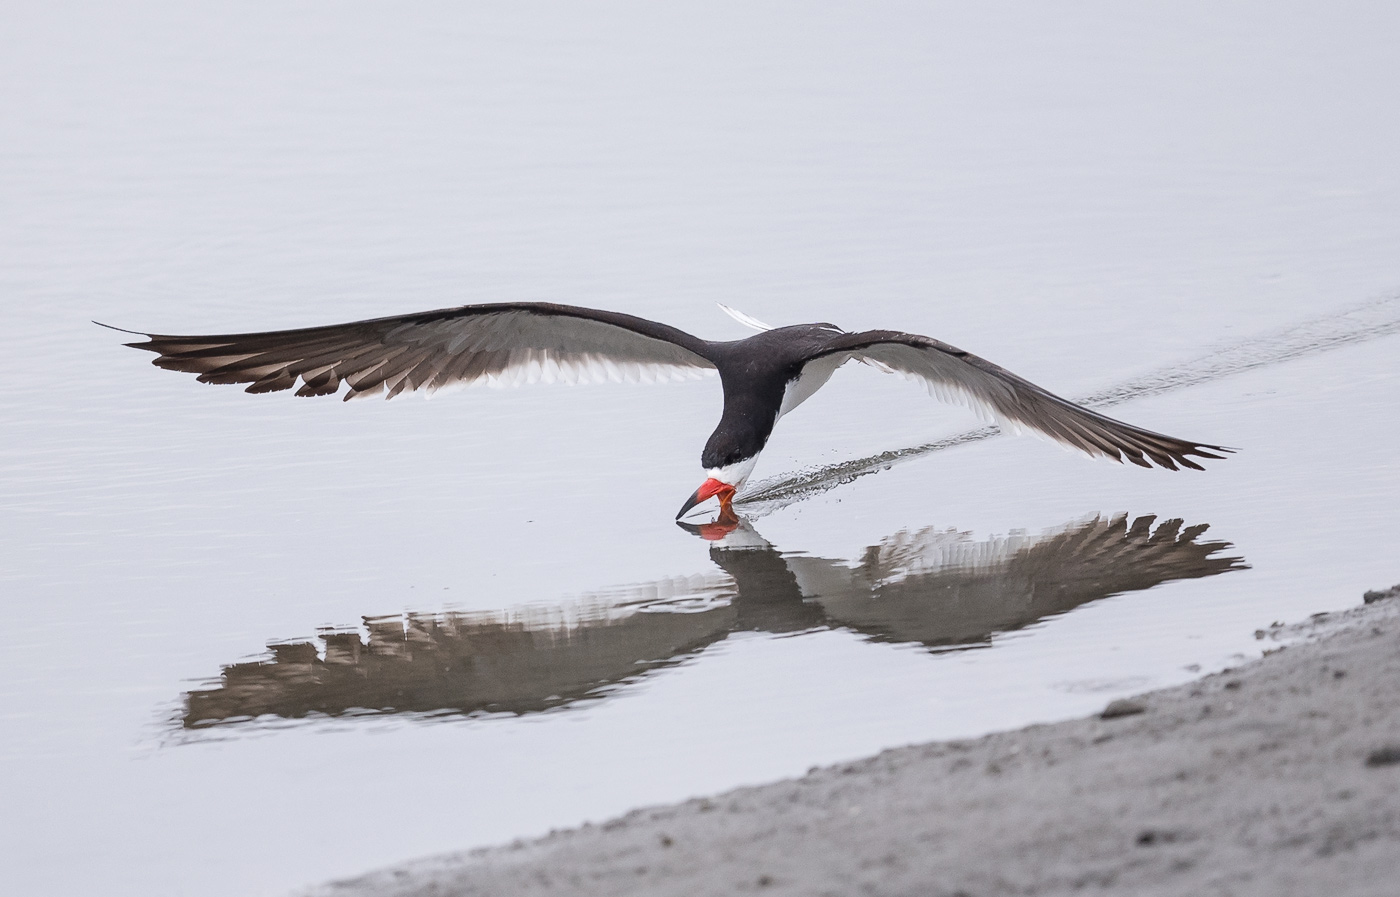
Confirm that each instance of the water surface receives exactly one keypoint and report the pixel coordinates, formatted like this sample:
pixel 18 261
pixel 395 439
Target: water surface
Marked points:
pixel 253 642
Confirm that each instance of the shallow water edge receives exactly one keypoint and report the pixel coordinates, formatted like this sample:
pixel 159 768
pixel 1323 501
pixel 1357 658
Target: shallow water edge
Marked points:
pixel 1281 776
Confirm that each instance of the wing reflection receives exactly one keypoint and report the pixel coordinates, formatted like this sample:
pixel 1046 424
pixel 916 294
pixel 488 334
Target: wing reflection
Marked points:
pixel 521 662
pixel 941 588
pixel 932 587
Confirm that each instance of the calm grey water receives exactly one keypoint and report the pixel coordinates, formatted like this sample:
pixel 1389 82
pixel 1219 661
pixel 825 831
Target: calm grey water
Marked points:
pixel 486 624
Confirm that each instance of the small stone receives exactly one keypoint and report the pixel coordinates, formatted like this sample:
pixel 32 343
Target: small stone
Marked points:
pixel 1384 756
pixel 1233 684
pixel 1151 836
pixel 1373 596
pixel 1123 707
pixel 666 841
pixel 765 881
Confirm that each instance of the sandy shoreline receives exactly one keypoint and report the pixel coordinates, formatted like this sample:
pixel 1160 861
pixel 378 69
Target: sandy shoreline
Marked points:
pixel 1279 777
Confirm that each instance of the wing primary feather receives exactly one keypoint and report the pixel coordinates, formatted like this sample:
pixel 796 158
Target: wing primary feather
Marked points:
pixel 1015 403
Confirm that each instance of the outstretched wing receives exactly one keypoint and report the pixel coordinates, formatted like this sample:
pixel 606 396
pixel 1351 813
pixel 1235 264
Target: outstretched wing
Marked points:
pixel 957 376
pixel 503 344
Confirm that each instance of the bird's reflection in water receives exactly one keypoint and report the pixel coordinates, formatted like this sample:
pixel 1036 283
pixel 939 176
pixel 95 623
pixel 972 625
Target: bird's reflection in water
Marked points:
pixel 933 587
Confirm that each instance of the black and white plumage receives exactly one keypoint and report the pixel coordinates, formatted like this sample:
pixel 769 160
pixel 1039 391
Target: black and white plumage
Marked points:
pixel 764 376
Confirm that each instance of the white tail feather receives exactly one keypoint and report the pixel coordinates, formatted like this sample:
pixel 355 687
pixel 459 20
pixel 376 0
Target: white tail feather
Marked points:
pixel 742 318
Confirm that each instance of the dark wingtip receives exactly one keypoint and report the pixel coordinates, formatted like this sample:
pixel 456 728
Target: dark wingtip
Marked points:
pixel 1205 451
pixel 148 345
pixel 122 329
pixel 1177 455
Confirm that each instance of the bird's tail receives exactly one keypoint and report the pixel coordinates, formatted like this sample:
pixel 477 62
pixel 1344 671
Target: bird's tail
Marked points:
pixel 744 319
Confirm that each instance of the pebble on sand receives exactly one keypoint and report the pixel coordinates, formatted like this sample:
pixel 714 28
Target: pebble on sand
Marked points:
pixel 1385 756
pixel 1123 707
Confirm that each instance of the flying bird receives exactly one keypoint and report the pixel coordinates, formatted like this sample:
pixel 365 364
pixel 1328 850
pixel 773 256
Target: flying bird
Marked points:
pixel 764 376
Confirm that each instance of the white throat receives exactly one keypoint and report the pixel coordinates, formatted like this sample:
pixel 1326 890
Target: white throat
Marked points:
pixel 733 474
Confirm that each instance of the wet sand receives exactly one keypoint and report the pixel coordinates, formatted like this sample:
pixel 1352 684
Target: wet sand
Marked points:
pixel 1280 777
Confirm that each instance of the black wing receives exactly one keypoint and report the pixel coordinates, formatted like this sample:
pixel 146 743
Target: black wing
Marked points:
pixel 505 344
pixel 957 376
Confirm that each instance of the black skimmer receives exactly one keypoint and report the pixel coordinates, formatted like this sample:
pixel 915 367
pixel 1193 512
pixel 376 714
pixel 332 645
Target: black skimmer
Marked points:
pixel 764 376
